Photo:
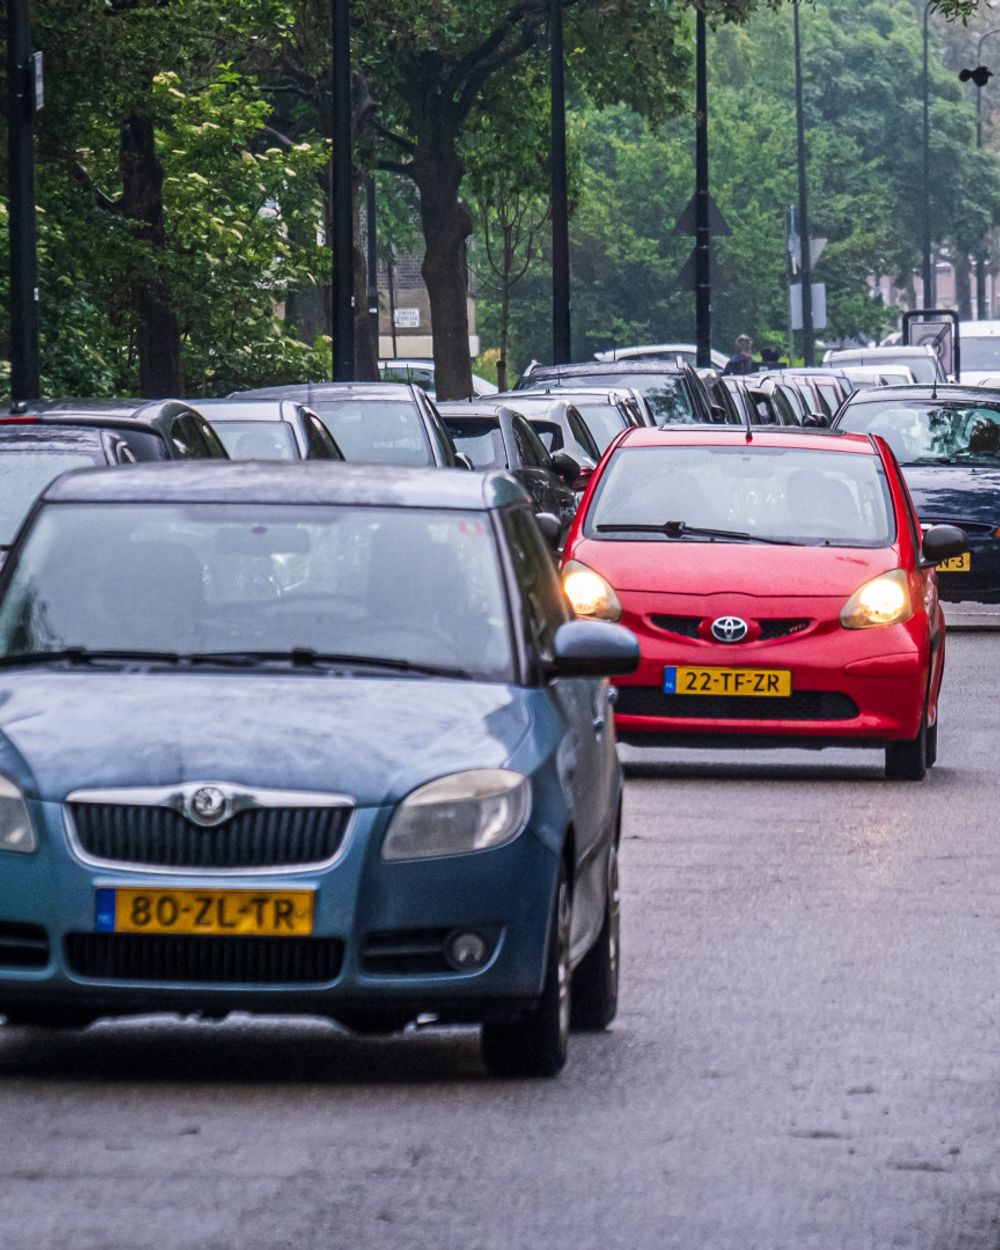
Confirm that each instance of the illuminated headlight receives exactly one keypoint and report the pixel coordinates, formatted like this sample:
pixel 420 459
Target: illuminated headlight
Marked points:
pixel 883 601
pixel 590 595
pixel 472 811
pixel 16 833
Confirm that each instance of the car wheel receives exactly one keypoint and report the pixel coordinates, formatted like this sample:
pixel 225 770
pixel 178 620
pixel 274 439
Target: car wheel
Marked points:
pixel 595 982
pixel 932 743
pixel 535 1043
pixel 907 761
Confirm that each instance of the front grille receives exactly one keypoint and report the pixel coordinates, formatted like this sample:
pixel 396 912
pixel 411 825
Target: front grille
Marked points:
pixel 23 945
pixel 265 837
pixel 782 628
pixel 804 705
pixel 685 626
pixel 204 960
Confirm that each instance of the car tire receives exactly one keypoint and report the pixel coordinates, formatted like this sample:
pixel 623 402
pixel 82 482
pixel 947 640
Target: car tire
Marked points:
pixel 595 982
pixel 932 743
pixel 907 761
pixel 535 1043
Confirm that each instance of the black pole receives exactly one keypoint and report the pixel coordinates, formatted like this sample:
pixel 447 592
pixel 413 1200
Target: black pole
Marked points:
pixel 561 348
pixel 928 270
pixel 805 259
pixel 703 228
pixel 980 257
pixel 342 226
pixel 24 368
pixel 371 214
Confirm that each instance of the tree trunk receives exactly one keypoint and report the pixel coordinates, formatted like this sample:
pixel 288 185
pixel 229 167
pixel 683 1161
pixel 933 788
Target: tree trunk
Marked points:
pixel 365 350
pixel 963 284
pixel 437 170
pixel 158 340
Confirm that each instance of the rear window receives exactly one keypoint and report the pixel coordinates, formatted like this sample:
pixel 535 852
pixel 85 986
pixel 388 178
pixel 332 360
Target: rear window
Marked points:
pixel 930 432
pixel 23 477
pixel 258 440
pixel 793 495
pixel 377 431
pixel 666 394
pixel 481 441
pixel 604 421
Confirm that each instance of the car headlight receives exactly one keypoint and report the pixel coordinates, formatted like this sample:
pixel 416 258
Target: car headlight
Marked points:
pixel 471 811
pixel 884 600
pixel 590 595
pixel 16 833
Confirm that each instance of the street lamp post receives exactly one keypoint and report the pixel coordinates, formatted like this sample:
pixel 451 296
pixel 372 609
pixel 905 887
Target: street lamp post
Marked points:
pixel 805 250
pixel 703 230
pixel 928 271
pixel 21 105
pixel 561 326
pixel 981 301
pixel 342 206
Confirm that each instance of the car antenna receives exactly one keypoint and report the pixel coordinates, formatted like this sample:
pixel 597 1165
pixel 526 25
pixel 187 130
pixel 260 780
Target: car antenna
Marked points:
pixel 746 423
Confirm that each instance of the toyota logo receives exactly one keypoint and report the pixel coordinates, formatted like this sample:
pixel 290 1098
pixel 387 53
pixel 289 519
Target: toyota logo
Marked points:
pixel 209 806
pixel 729 629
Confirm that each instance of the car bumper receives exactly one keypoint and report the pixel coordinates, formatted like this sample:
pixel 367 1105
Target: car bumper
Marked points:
pixel 364 907
pixel 849 687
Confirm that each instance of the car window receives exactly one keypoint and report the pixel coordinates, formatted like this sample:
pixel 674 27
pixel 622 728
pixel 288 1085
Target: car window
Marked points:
pixel 25 474
pixel 581 435
pixel 550 433
pixel 481 441
pixel 604 421
pixel 379 431
pixel 544 602
pixel 420 585
pixel 980 355
pixel 827 498
pixel 930 431
pixel 534 449
pixel 321 445
pixel 258 440
pixel 188 439
pixel 666 394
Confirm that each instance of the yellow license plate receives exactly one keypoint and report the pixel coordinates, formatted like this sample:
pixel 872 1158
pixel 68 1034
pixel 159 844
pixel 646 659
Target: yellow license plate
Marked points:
pixel 957 564
pixel 772 683
pixel 257 913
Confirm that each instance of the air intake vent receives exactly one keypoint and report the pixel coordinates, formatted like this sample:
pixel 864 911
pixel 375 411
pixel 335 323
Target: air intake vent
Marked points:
pixel 23 945
pixel 805 705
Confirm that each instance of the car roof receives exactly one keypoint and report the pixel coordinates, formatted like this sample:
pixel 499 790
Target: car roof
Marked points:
pixel 923 390
pixel 275 482
pixel 475 410
pixel 98 412
pixel 243 409
pixel 787 436
pixel 883 353
pixel 610 394
pixel 310 391
pixel 41 436
pixel 586 368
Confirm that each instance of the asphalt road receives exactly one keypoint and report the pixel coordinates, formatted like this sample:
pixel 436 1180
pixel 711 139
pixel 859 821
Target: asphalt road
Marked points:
pixel 808 1054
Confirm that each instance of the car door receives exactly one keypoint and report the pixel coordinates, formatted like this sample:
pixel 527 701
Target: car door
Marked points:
pixel 587 762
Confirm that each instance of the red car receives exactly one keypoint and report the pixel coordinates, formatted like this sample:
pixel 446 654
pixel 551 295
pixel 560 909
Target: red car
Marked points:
pixel 780 586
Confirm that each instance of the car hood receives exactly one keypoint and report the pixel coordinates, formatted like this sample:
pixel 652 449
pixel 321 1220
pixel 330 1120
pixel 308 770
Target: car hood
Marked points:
pixel 702 568
pixel 955 492
pixel 371 738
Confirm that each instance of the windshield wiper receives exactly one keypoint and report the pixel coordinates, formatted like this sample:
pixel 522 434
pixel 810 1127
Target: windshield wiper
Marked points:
pixel 680 529
pixel 307 657
pixel 86 655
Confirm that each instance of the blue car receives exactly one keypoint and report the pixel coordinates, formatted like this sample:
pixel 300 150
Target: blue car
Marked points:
pixel 305 739
pixel 947 441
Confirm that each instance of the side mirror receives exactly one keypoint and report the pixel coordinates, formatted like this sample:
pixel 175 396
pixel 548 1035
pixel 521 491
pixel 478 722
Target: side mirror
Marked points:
pixel 566 466
pixel 593 649
pixel 719 414
pixel 943 542
pixel 815 419
pixel 551 528
pixel 462 461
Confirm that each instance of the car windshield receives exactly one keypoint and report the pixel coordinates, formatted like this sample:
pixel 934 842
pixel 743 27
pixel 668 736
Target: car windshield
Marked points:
pixel 379 431
pixel 666 394
pixel 257 440
pixel 605 421
pixel 480 440
pixel 930 431
pixel 773 494
pixel 981 355
pixel 420 586
pixel 23 477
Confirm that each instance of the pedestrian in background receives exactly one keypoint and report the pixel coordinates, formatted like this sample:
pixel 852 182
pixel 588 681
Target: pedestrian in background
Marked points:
pixel 742 362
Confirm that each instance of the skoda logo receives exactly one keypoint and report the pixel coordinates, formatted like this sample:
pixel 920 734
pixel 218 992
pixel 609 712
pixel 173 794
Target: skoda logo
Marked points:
pixel 729 629
pixel 209 805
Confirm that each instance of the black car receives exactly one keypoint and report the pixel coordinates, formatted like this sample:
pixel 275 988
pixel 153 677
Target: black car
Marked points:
pixel 494 437
pixel 674 392
pixel 562 429
pixel 947 441
pixel 269 429
pixel 374 422
pixel 605 413
pixel 39 442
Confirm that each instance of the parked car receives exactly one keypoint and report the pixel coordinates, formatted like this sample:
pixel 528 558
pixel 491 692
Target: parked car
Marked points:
pixel 421 373
pixel 979 342
pixel 674 392
pixel 374 422
pixel 921 361
pixel 863 376
pixel 687 352
pixel 495 437
pixel 947 440
pixel 561 428
pixel 269 429
pixel 780 587
pixel 381 788
pixel 40 441
pixel 604 413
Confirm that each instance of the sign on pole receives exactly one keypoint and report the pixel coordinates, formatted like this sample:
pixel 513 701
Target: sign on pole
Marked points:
pixel 818 305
